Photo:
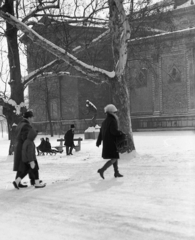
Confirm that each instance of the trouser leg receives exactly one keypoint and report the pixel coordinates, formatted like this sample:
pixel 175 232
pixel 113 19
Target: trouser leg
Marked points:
pixel 38 150
pixel 67 150
pixel 21 174
pixel 70 151
pixel 35 173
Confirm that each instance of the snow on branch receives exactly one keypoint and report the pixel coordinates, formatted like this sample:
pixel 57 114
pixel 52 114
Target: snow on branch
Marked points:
pixel 51 47
pixel 26 80
pixel 88 76
pixel 176 33
pixel 15 105
pixel 94 41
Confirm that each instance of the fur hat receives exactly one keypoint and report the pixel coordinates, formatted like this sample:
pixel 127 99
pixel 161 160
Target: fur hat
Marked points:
pixel 28 114
pixel 72 126
pixel 110 108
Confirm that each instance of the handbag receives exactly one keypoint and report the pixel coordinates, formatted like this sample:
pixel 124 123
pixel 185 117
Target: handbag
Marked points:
pixel 122 143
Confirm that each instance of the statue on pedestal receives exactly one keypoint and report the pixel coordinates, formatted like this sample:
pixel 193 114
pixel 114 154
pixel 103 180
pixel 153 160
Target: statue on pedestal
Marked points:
pixel 92 109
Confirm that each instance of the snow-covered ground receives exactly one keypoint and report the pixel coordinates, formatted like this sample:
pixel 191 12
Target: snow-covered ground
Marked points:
pixel 155 200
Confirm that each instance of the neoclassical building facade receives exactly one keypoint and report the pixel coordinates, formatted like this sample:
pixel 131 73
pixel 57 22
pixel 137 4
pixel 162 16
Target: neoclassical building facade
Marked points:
pixel 160 74
pixel 163 85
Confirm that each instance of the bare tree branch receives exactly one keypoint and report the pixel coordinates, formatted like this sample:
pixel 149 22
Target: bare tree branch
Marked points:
pixel 32 75
pixel 40 8
pixel 51 47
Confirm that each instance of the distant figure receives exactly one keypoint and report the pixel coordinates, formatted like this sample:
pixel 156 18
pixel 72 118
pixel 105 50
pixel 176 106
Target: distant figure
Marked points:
pixel 92 109
pixel 47 145
pixel 41 147
pixel 69 142
pixel 108 135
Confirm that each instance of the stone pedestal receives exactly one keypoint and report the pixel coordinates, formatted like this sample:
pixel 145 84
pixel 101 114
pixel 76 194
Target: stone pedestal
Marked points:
pixel 92 132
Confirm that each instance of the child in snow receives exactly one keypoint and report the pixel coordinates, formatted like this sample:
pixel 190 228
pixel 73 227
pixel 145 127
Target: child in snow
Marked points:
pixel 29 162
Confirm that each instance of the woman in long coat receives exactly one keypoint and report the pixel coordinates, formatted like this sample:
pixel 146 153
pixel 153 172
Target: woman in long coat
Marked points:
pixel 108 134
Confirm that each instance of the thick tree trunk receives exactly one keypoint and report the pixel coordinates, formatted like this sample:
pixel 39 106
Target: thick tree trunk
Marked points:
pixel 13 56
pixel 120 30
pixel 16 86
pixel 121 99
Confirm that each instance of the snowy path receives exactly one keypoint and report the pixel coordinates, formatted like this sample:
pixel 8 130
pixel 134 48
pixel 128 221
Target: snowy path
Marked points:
pixel 154 201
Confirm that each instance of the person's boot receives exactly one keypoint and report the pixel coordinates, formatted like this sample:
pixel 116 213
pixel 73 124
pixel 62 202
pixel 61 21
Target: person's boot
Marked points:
pixel 38 184
pixel 20 185
pixel 17 182
pixel 16 185
pixel 103 169
pixel 116 172
pixel 32 182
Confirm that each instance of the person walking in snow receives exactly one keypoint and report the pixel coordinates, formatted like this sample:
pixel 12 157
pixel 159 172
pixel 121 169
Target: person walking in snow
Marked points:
pixel 69 142
pixel 108 135
pixel 92 109
pixel 29 162
pixel 21 134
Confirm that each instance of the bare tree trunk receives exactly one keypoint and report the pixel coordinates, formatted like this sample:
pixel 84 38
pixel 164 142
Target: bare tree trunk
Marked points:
pixel 120 30
pixel 15 72
pixel 121 99
pixel 50 122
pixel 48 109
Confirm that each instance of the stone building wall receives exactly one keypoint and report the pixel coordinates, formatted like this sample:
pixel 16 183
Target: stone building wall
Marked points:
pixel 161 84
pixel 171 79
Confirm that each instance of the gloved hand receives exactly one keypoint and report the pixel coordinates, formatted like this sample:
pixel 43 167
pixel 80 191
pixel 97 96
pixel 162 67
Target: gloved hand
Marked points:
pixel 32 165
pixel 97 145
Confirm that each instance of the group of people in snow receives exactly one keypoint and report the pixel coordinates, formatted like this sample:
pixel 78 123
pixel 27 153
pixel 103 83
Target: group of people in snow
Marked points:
pixel 25 161
pixel 45 147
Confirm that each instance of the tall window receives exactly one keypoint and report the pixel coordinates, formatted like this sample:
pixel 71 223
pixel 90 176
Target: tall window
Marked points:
pixel 54 108
pixel 141 80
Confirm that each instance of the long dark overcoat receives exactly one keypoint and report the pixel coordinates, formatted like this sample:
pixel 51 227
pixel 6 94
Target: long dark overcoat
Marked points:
pixel 21 135
pixel 108 134
pixel 68 137
pixel 28 152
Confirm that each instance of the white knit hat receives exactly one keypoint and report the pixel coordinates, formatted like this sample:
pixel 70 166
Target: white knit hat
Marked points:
pixel 110 108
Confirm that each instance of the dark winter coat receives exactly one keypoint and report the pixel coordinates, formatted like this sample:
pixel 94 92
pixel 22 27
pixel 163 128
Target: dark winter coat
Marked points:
pixel 28 150
pixel 47 146
pixel 21 135
pixel 108 134
pixel 68 137
pixel 41 146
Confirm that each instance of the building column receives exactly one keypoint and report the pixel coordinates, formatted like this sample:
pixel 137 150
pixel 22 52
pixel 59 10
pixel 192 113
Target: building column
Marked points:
pixel 190 65
pixel 157 88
